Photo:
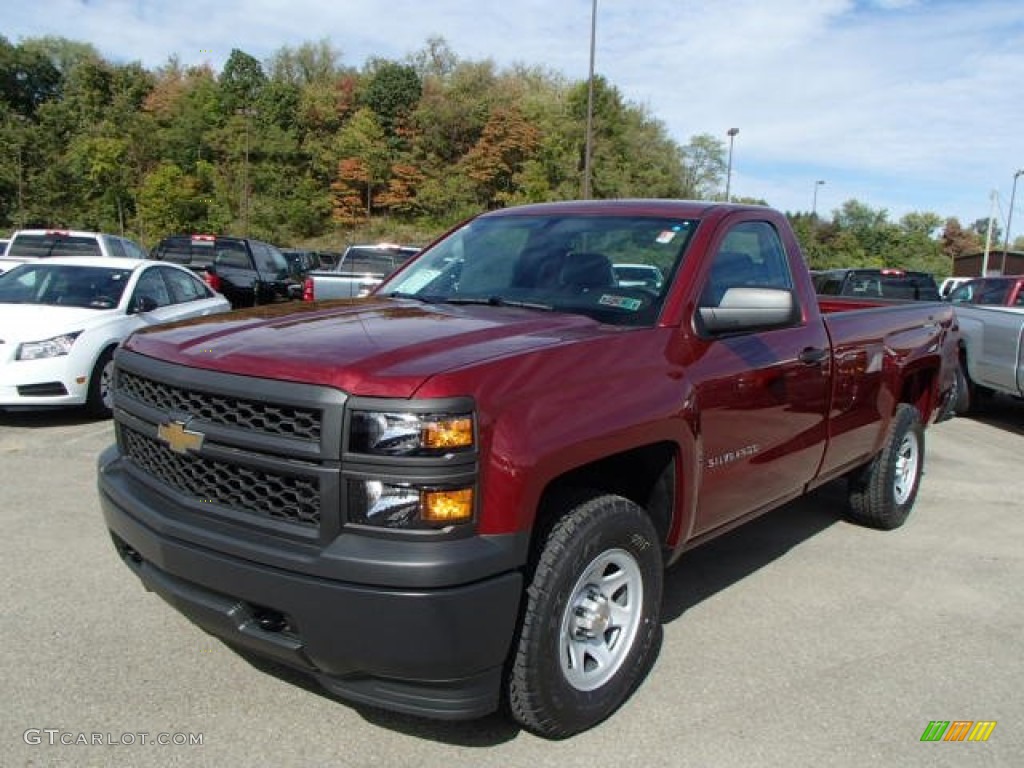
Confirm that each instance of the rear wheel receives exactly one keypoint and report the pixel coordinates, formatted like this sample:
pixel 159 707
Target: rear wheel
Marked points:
pixel 883 493
pixel 591 618
pixel 100 400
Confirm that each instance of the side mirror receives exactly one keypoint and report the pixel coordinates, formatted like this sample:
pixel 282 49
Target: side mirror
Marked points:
pixel 143 304
pixel 742 310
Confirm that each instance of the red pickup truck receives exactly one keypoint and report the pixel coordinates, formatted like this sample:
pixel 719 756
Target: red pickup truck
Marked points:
pixel 465 488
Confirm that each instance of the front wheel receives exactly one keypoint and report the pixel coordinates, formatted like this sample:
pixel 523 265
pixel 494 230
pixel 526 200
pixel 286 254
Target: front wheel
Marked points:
pixel 591 618
pixel 100 400
pixel 883 493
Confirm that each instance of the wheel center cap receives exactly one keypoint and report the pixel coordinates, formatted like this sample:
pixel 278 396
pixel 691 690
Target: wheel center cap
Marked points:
pixel 593 615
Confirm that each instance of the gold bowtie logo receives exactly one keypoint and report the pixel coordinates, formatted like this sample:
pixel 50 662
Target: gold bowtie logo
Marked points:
pixel 178 438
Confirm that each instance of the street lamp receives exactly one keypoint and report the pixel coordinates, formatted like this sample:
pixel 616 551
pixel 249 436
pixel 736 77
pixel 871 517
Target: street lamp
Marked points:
pixel 1009 219
pixel 587 148
pixel 731 133
pixel 814 204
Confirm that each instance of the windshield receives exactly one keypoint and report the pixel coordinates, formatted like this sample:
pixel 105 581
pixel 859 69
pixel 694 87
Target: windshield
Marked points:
pixel 616 269
pixel 63 285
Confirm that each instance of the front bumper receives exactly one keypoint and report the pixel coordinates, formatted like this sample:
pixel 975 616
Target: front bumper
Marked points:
pixel 60 380
pixel 437 652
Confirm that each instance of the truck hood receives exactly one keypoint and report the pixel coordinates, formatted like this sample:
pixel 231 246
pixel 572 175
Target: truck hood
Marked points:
pixel 370 347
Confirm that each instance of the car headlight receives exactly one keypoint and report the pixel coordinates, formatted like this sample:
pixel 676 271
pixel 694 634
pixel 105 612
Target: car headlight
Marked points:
pixel 55 347
pixel 407 505
pixel 410 434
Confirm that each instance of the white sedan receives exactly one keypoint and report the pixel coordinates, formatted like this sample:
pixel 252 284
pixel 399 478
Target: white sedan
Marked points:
pixel 62 318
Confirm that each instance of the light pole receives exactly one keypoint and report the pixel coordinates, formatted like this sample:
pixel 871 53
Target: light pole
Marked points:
pixel 814 203
pixel 1009 219
pixel 731 133
pixel 248 113
pixel 587 145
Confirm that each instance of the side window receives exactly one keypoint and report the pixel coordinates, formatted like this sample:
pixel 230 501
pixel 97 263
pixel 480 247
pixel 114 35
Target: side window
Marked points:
pixel 132 249
pixel 184 287
pixel 151 285
pixel 115 247
pixel 750 255
pixel 995 292
pixel 232 255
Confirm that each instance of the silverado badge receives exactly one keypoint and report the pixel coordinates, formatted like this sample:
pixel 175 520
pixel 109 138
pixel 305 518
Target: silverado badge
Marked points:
pixel 178 438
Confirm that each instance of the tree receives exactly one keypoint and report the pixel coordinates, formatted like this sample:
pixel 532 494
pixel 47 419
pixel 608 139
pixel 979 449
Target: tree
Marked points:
pixel 704 167
pixel 241 81
pixel 507 142
pixel 392 91
pixel 169 202
pixel 362 140
pixel 27 78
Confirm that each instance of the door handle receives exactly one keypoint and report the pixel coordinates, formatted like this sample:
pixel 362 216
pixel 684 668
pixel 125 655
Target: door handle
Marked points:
pixel 813 356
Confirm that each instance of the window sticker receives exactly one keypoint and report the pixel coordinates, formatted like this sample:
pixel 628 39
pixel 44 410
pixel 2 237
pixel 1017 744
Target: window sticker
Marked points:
pixel 620 302
pixel 666 237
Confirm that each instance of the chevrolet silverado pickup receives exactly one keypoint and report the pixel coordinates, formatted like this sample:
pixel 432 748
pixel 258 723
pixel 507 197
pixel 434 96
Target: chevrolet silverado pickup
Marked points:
pixel 463 490
pixel 991 354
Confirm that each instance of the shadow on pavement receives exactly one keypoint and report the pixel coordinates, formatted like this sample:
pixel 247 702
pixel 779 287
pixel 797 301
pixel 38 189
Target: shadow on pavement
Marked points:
pixel 488 731
pixel 50 417
pixel 1002 412
pixel 720 563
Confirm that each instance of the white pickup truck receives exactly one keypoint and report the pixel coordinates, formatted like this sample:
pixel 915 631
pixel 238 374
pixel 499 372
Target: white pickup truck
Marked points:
pixel 360 269
pixel 991 353
pixel 30 244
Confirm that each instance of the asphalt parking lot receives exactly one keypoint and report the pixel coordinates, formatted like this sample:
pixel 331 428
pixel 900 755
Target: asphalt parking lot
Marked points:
pixel 798 640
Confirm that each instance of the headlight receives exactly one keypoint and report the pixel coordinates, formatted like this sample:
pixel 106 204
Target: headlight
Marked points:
pixel 387 505
pixel 55 347
pixel 410 434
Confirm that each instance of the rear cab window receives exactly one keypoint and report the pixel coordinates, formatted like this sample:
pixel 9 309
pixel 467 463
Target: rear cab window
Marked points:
pixel 37 246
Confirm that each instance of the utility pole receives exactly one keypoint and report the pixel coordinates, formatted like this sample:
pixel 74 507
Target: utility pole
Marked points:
pixel 1009 219
pixel 589 140
pixel 731 133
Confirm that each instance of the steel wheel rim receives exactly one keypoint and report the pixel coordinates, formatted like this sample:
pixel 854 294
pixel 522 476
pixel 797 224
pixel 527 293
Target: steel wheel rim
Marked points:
pixel 907 459
pixel 601 620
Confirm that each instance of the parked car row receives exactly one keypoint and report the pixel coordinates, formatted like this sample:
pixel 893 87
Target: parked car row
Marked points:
pixel 61 319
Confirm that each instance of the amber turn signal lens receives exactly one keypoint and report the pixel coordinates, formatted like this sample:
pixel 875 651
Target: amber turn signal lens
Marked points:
pixel 452 506
pixel 448 433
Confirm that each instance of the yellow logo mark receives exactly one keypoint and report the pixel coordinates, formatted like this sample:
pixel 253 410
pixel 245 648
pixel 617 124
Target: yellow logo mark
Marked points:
pixel 178 438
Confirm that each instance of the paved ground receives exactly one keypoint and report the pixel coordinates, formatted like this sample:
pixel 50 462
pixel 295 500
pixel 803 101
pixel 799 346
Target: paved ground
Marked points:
pixel 799 640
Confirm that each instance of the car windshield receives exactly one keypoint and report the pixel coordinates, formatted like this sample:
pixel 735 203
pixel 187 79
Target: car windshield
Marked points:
pixel 554 262
pixel 64 285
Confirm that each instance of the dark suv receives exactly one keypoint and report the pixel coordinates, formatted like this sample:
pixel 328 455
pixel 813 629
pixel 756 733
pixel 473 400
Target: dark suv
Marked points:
pixel 884 283
pixel 248 272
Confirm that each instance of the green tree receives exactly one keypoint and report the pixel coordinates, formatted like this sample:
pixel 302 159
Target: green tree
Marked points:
pixel 392 91
pixel 241 81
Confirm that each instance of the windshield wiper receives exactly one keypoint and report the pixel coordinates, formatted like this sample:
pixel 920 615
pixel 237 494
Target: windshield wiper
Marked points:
pixel 498 301
pixel 426 299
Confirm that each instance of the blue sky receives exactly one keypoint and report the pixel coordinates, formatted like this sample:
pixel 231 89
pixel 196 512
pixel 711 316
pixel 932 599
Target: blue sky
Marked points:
pixel 906 105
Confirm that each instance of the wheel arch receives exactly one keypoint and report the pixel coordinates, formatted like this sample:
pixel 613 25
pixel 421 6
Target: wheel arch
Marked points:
pixel 647 475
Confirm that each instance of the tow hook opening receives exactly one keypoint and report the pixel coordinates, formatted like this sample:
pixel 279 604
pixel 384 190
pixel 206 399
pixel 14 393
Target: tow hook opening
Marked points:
pixel 128 552
pixel 270 620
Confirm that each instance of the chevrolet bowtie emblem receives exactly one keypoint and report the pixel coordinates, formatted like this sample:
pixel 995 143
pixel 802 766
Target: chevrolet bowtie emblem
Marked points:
pixel 178 438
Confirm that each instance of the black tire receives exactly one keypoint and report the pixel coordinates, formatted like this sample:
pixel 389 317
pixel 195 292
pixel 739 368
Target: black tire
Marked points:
pixel 583 648
pixel 99 400
pixel 962 388
pixel 883 493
